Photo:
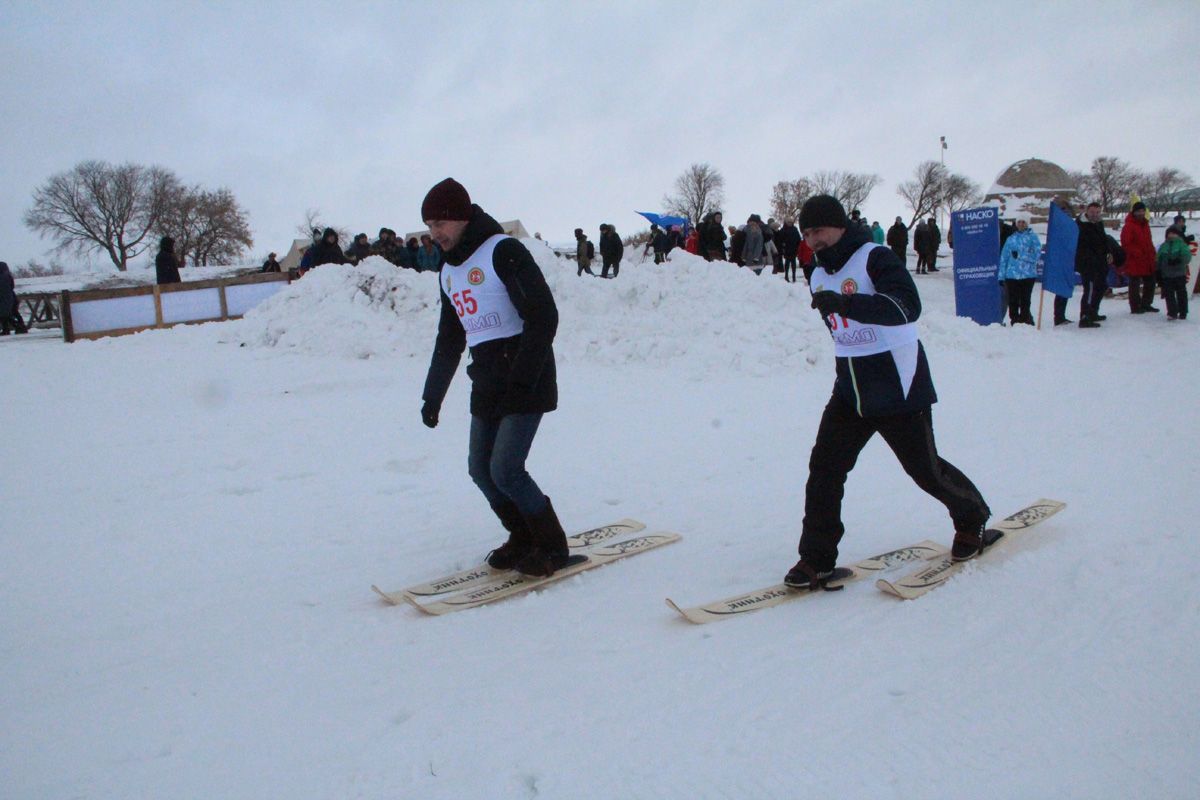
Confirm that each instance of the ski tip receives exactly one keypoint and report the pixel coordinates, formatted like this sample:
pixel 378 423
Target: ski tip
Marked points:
pixel 686 617
pixel 887 588
pixel 385 596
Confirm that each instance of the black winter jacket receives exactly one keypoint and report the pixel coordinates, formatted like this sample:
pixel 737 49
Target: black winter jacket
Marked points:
pixel 324 252
pixel 515 375
pixel 712 236
pixel 897 235
pixel 611 246
pixel 166 267
pixel 871 384
pixel 1091 254
pixel 787 240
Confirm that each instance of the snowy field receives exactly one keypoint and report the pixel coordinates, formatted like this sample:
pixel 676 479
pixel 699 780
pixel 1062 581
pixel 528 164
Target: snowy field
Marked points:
pixel 193 519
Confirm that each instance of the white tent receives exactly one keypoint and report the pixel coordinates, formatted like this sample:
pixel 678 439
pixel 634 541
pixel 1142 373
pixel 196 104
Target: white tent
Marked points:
pixel 292 259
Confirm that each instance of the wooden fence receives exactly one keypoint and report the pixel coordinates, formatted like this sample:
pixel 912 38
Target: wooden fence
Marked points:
pixel 95 313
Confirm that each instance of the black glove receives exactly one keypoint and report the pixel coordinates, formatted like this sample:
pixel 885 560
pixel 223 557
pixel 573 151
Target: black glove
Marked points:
pixel 429 414
pixel 830 303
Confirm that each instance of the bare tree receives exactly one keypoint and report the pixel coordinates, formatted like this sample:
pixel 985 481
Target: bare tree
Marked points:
pixel 698 191
pixel 224 232
pixel 788 196
pixel 1113 179
pixel 1085 185
pixel 959 192
pixel 97 207
pixel 207 226
pixel 1161 184
pixel 850 188
pixel 312 222
pixel 923 193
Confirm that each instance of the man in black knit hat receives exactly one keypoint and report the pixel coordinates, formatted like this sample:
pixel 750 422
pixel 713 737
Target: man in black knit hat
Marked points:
pixel 870 305
pixel 495 300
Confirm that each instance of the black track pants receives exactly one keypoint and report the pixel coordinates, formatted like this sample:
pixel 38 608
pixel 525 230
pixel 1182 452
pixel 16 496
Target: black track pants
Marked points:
pixel 841 437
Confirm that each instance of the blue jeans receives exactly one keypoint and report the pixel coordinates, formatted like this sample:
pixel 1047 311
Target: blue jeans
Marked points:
pixel 496 461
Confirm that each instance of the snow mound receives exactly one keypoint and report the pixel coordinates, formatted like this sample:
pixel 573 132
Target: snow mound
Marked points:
pixel 700 316
pixel 364 311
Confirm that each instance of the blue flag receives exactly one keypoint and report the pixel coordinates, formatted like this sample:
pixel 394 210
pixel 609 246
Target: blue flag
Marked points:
pixel 663 221
pixel 1062 238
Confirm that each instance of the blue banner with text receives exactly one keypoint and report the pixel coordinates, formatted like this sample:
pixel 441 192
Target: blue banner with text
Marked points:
pixel 976 263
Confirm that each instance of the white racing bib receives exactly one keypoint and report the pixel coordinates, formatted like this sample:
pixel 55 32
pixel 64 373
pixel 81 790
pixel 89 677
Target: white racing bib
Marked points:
pixel 480 298
pixel 851 338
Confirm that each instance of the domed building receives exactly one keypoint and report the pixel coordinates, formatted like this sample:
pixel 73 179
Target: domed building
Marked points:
pixel 1030 185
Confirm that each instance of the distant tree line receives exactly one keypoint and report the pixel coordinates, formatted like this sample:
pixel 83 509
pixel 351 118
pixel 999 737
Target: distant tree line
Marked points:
pixel 123 210
pixel 1111 181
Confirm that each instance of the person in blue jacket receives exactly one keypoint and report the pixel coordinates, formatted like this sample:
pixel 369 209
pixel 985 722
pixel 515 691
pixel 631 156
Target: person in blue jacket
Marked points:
pixel 1018 269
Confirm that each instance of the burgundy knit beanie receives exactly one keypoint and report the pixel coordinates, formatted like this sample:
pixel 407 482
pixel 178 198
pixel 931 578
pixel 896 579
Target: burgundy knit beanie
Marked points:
pixel 446 200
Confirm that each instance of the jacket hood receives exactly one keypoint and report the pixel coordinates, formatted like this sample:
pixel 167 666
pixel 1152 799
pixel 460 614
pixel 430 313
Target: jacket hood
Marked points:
pixel 480 228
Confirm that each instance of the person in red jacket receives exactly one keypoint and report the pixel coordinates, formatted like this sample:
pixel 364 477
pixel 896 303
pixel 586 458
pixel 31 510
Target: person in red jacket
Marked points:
pixel 692 243
pixel 1140 258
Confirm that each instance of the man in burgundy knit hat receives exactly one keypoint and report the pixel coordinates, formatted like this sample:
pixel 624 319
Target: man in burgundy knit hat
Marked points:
pixel 495 300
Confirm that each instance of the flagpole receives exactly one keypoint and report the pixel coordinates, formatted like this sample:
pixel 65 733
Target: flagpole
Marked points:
pixel 1041 300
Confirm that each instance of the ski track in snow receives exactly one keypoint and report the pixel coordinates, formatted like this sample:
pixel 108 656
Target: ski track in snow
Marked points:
pixel 199 512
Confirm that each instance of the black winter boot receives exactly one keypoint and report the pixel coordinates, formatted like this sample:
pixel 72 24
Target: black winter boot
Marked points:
pixel 806 575
pixel 550 551
pixel 519 543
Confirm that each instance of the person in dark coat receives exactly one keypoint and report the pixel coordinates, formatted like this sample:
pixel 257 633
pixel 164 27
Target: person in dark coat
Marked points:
pixel 897 239
pixel 712 237
pixel 270 265
pixel 883 385
pixel 496 302
pixel 360 248
pixel 585 251
pixel 10 315
pixel 921 245
pixel 737 243
pixel 787 241
pixel 1092 261
pixel 611 251
pixel 932 243
pixel 386 246
pixel 166 265
pixel 661 244
pixel 328 251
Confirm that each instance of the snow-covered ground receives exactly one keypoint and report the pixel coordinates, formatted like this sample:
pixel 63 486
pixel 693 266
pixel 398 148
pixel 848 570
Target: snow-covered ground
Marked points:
pixel 193 518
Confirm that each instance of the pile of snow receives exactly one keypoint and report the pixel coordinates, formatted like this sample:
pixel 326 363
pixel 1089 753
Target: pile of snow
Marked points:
pixel 359 311
pixel 688 312
pixel 651 314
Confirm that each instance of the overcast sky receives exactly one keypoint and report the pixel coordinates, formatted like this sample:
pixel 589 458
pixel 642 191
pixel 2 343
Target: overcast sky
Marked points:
pixel 567 114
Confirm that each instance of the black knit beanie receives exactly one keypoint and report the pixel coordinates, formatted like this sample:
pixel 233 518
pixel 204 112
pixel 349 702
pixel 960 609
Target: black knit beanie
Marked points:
pixel 446 200
pixel 823 211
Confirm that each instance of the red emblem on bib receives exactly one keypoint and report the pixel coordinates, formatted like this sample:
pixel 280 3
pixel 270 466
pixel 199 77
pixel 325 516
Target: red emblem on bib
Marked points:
pixel 849 286
pixel 475 276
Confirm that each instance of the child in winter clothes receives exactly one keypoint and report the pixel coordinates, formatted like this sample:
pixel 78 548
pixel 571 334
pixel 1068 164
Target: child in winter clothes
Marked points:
pixel 1173 259
pixel 1018 270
